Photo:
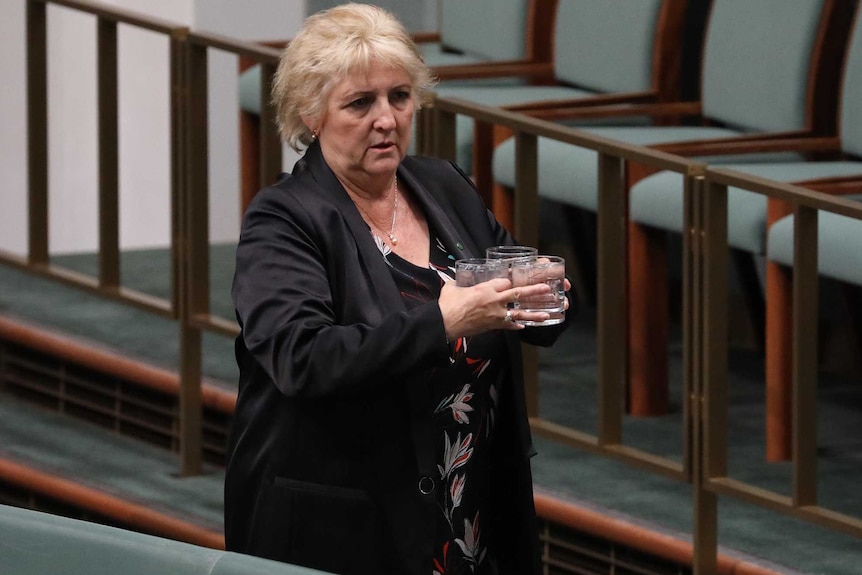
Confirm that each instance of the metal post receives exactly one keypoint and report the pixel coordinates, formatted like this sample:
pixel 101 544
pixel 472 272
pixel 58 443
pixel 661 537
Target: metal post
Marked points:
pixel 109 226
pixel 37 130
pixel 611 299
pixel 805 316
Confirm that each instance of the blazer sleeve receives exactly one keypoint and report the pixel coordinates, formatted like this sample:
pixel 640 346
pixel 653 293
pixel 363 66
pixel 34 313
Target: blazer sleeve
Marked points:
pixel 296 324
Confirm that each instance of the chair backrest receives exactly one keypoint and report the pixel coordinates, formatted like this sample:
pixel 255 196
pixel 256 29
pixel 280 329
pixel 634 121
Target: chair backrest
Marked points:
pixel 759 59
pixel 851 90
pixel 607 46
pixel 491 29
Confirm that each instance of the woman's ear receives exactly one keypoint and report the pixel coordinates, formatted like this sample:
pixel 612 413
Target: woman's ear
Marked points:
pixel 311 124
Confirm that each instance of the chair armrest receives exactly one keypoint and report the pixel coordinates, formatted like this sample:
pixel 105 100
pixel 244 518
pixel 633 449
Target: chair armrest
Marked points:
pixel 531 71
pixel 245 62
pixel 799 141
pixel 425 37
pixel 835 186
pixel 613 106
pixel 606 103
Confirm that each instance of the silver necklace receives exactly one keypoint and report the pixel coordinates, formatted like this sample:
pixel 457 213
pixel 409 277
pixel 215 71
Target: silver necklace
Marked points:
pixel 391 232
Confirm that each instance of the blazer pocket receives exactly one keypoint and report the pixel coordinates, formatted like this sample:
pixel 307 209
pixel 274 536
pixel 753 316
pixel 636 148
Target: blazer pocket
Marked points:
pixel 331 528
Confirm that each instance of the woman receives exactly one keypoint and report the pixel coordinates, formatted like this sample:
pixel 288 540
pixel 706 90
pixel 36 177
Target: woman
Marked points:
pixel 380 426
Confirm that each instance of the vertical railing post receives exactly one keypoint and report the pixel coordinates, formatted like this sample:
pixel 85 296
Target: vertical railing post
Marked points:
pixel 179 94
pixel 270 143
pixel 526 229
pixel 441 137
pixel 709 399
pixel 611 299
pixel 37 131
pixel 109 221
pixel 690 313
pixel 423 128
pixel 805 317
pixel 187 170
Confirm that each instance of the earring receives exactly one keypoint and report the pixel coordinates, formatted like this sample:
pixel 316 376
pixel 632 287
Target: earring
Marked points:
pixel 313 135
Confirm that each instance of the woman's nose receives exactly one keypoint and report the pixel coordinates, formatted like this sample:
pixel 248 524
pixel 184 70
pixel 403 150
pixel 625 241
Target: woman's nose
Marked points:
pixel 385 119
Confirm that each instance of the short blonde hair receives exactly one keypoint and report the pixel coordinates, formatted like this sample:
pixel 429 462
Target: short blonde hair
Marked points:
pixel 330 46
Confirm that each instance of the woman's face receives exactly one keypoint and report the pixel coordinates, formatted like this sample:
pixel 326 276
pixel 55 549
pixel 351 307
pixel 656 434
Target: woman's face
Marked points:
pixel 368 122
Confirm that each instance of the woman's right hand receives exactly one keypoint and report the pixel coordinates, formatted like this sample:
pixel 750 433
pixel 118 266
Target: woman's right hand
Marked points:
pixel 476 309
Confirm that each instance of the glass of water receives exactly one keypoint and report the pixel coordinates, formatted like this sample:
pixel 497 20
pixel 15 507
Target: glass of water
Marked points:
pixel 472 271
pixel 550 270
pixel 511 253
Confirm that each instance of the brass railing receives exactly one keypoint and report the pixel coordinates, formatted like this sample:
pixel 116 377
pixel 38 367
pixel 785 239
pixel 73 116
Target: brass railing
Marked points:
pixel 704 318
pixel 439 123
pixel 802 502
pixel 189 300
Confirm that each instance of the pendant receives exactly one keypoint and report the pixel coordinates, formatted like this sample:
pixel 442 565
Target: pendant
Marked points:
pixel 393 240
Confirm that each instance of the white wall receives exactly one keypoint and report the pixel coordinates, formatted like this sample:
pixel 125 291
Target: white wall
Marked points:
pixel 144 120
pixel 258 20
pixel 13 129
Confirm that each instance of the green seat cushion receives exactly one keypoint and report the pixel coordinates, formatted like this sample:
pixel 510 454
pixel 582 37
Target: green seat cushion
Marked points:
pixel 658 200
pixel 838 241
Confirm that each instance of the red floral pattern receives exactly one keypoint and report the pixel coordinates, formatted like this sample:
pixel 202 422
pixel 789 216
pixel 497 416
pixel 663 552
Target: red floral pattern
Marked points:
pixel 464 414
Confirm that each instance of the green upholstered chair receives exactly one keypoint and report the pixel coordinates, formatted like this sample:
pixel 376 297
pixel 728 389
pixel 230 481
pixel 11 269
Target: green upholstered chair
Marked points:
pixel 656 203
pixel 768 73
pixel 603 52
pixel 35 543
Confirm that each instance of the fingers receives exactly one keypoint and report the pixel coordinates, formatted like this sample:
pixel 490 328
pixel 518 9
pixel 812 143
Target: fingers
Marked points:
pixel 513 316
pixel 516 293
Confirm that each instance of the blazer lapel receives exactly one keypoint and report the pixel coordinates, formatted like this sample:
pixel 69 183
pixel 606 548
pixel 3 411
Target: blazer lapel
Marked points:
pixel 456 240
pixel 377 271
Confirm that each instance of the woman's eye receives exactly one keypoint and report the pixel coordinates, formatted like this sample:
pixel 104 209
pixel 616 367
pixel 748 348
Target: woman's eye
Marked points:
pixel 401 96
pixel 359 103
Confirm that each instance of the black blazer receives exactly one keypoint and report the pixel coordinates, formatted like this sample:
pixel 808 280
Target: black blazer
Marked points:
pixel 332 433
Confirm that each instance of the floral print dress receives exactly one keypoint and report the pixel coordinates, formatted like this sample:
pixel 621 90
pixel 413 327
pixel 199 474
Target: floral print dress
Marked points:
pixel 463 413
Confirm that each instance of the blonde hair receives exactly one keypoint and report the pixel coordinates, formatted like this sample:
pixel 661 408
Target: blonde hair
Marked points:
pixel 331 45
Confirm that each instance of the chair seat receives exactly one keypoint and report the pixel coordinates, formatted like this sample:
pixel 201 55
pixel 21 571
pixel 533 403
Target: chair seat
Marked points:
pixel 838 241
pixel 658 200
pixel 569 174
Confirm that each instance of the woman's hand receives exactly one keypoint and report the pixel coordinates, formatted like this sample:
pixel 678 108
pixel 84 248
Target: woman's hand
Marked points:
pixel 485 306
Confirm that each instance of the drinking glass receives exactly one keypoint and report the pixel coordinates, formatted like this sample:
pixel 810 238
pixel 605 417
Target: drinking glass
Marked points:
pixel 511 253
pixel 472 271
pixel 550 270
